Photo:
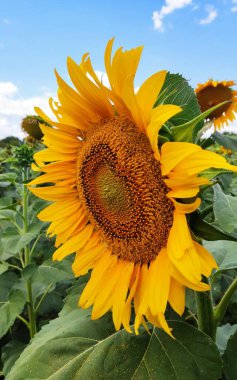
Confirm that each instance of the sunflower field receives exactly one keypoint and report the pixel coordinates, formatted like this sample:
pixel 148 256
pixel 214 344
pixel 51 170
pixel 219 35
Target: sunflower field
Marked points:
pixel 118 231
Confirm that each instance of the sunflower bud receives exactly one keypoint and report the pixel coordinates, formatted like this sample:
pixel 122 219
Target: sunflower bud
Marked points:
pixel 23 155
pixel 31 125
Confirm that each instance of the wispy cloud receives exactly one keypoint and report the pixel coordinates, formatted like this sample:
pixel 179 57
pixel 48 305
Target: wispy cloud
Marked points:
pixel 169 7
pixel 13 107
pixel 211 15
pixel 234 8
pixel 6 21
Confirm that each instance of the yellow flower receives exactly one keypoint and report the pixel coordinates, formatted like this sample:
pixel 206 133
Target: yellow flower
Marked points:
pixel 114 193
pixel 212 93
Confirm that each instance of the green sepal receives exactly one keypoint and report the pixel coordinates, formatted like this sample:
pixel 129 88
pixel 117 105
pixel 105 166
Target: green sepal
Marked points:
pixel 188 131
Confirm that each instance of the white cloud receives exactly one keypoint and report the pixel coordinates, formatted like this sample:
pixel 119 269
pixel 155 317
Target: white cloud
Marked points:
pixel 211 15
pixel 232 128
pixel 14 107
pixel 169 7
pixel 234 8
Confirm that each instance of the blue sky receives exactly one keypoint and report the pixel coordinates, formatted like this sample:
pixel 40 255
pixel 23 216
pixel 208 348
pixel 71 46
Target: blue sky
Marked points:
pixel 193 37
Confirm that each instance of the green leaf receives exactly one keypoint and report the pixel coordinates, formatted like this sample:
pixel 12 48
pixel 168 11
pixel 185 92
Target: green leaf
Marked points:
pixel 3 267
pixel 5 202
pixel 229 359
pixel 8 177
pixel 10 353
pixel 7 281
pixel 14 242
pixel 80 349
pixel 56 271
pixel 225 253
pixel 228 141
pixel 206 230
pixel 223 335
pixel 225 210
pixel 10 309
pixel 39 284
pixel 176 90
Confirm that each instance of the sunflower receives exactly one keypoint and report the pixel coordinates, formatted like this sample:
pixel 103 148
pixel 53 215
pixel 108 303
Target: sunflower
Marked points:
pixel 119 202
pixel 31 125
pixel 212 93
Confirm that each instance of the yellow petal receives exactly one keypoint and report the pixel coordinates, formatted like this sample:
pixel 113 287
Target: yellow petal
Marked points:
pixel 203 160
pixel 60 209
pixel 159 282
pixel 53 193
pixel 120 293
pixel 196 285
pixel 86 259
pixel 186 208
pixel 159 116
pixel 148 93
pixel 181 250
pixel 177 296
pixel 172 153
pixel 207 260
pixel 73 244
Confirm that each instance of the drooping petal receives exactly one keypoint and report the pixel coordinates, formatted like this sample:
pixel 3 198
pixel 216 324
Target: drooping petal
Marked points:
pixel 159 116
pixel 177 296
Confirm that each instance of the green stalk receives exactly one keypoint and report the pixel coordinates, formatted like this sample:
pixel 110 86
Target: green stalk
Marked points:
pixel 220 309
pixel 205 313
pixel 30 306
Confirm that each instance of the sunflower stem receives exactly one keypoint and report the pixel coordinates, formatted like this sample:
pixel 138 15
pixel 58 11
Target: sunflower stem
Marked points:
pixel 220 309
pixel 30 305
pixel 205 313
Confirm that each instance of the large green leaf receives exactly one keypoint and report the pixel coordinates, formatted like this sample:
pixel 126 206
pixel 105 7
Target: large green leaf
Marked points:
pixel 225 253
pixel 207 231
pixel 5 202
pixel 55 271
pixel 10 353
pixel 80 349
pixel 225 210
pixel 223 335
pixel 13 242
pixel 10 309
pixel 229 358
pixel 3 267
pixel 7 282
pixel 176 90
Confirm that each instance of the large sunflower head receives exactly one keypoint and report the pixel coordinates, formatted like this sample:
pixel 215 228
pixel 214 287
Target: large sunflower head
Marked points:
pixel 119 202
pixel 213 93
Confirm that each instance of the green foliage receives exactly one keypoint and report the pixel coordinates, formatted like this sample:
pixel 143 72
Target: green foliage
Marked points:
pixel 225 140
pixel 229 358
pixel 93 350
pixel 10 309
pixel 176 90
pixel 223 335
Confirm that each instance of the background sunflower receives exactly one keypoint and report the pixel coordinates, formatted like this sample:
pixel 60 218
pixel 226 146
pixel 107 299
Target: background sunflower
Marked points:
pixel 212 93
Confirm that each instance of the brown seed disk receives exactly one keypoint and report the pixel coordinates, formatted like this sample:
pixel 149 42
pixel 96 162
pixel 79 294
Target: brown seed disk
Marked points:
pixel 211 96
pixel 122 189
